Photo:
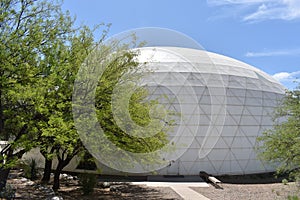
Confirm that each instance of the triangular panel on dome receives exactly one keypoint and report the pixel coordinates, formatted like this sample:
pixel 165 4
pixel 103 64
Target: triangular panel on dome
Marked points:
pixel 204 99
pixel 253 84
pixel 250 120
pixel 256 118
pixel 228 140
pixel 188 110
pixel 229 130
pixel 250 130
pixel 205 109
pixel 235 100
pixel 268 111
pixel 236 92
pixel 242 154
pixel 214 80
pixel 209 143
pixel 219 99
pixel 218 154
pixel 241 142
pixel 205 120
pixel 269 95
pixel 235 119
pixel 253 110
pixel 195 80
pixel 270 103
pixel 225 167
pixel 221 144
pixel 266 85
pixel 254 166
pixel 235 167
pixel 187 167
pixel 236 82
pixel 235 109
pixel 252 101
pixel 243 164
pixel 183 67
pixel 190 155
pixel 217 164
pixel 176 79
pixel 254 94
pixel 208 167
pixel 252 140
pixel 266 120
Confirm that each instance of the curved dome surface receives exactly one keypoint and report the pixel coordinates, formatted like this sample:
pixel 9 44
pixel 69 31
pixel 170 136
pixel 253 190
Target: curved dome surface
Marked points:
pixel 200 61
pixel 224 104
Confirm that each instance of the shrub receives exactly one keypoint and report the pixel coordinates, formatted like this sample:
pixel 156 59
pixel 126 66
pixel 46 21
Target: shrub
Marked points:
pixel 30 169
pixel 87 182
pixel 293 197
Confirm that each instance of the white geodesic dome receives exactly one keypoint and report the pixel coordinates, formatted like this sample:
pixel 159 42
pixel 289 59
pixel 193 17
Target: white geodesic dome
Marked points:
pixel 224 104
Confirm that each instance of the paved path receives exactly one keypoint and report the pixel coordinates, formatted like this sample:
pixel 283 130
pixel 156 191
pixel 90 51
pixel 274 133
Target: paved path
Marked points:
pixel 187 193
pixel 181 188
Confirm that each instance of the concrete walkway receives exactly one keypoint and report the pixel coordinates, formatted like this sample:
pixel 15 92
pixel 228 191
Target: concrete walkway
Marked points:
pixel 187 193
pixel 181 188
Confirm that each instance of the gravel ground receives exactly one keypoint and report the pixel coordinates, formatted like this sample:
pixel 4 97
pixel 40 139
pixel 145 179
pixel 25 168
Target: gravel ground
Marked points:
pixel 126 192
pixel 70 190
pixel 270 191
pixel 258 187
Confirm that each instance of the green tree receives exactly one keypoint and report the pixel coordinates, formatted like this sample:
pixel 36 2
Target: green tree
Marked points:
pixel 120 72
pixel 281 144
pixel 40 54
pixel 59 138
pixel 30 30
pixel 60 134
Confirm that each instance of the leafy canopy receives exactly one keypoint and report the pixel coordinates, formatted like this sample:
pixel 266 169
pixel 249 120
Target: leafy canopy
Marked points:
pixel 281 145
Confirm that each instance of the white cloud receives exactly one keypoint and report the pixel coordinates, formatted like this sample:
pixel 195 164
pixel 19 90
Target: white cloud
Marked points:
pixel 264 9
pixel 285 52
pixel 286 76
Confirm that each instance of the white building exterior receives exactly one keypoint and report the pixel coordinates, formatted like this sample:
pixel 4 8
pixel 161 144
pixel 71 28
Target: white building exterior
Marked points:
pixel 224 103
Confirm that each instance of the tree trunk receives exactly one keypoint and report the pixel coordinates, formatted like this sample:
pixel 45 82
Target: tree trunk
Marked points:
pixel 57 172
pixel 61 164
pixel 47 171
pixel 3 177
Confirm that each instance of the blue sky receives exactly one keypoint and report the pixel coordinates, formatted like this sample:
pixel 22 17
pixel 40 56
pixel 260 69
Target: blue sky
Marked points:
pixel 262 33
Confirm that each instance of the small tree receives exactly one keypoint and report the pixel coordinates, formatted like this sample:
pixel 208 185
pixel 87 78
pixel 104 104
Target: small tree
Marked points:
pixel 281 145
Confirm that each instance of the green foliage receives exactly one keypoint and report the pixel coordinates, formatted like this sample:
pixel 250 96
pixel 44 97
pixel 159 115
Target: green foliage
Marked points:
pixel 125 69
pixel 30 169
pixel 32 35
pixel 30 32
pixel 285 181
pixel 40 55
pixel 293 197
pixel 281 145
pixel 122 109
pixel 87 182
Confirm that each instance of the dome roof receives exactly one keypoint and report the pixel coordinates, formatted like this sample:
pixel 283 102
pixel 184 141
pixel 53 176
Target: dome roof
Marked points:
pixel 200 61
